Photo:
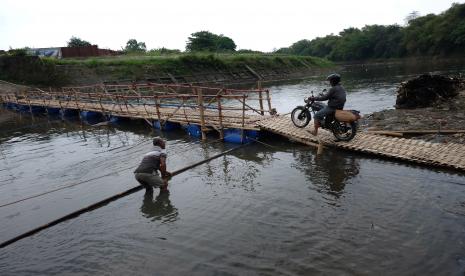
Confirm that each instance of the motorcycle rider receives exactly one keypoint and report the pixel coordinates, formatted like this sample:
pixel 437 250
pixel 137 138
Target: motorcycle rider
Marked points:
pixel 336 97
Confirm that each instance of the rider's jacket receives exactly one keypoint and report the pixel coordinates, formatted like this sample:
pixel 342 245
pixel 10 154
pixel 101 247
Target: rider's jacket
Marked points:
pixel 336 97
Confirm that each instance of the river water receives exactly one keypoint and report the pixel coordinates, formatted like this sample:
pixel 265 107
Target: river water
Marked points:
pixel 259 210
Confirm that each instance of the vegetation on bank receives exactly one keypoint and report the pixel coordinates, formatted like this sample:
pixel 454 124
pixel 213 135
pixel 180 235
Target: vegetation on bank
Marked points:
pixel 45 71
pixel 200 61
pixel 133 66
pixel 430 35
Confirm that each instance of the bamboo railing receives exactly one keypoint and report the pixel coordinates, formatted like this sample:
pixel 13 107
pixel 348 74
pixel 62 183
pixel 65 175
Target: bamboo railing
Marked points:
pixel 210 108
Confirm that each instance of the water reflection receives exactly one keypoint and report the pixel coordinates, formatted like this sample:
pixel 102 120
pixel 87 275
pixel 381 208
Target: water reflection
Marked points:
pixel 329 172
pixel 160 208
pixel 238 169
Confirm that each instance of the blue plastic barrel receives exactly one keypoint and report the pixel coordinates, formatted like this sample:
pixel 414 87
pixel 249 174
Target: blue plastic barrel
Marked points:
pixel 69 112
pixel 12 106
pixel 194 130
pixel 37 109
pixel 53 111
pixel 91 115
pixel 22 108
pixel 115 119
pixel 167 126
pixel 233 135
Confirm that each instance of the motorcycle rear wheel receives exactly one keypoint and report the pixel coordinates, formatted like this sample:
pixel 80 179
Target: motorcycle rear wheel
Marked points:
pixel 300 116
pixel 344 131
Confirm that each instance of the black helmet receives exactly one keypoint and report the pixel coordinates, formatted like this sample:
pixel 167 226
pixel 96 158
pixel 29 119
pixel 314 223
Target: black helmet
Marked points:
pixel 334 79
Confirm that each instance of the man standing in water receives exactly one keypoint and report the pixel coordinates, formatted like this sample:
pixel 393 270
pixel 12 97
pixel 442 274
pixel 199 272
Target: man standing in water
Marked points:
pixel 153 163
pixel 336 97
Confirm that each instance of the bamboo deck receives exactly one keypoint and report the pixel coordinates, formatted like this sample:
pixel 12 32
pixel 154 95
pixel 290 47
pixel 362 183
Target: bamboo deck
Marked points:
pixel 449 155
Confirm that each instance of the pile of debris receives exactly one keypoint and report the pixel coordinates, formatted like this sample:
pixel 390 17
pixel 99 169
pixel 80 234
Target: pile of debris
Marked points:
pixel 429 107
pixel 427 91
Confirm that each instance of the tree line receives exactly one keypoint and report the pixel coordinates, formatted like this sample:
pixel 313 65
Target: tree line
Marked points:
pixel 430 35
pixel 202 41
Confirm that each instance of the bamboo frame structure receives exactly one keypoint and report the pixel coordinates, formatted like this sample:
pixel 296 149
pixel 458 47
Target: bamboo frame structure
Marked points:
pixel 184 104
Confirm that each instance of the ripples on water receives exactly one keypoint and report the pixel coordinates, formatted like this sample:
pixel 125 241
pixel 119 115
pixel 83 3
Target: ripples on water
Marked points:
pixel 260 210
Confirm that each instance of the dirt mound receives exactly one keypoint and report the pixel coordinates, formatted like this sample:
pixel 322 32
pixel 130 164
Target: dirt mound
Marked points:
pixel 427 91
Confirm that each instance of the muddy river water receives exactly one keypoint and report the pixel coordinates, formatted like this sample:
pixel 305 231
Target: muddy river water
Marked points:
pixel 277 210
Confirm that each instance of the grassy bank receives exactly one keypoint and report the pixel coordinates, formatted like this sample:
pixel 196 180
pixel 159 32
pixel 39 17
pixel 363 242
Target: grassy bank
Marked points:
pixel 143 66
pixel 192 63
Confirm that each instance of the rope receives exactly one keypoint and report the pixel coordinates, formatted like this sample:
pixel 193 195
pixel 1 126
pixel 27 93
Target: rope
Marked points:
pixel 260 142
pixel 29 126
pixel 106 201
pixel 86 181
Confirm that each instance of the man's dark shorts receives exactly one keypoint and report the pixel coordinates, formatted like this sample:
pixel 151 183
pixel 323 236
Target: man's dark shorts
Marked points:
pixel 149 180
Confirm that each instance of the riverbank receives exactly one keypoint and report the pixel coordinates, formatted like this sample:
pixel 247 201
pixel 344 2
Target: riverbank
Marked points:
pixel 183 68
pixel 445 115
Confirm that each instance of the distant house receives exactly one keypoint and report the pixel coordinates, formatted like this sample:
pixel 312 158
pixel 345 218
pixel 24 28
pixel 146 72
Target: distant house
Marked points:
pixel 45 52
pixel 69 52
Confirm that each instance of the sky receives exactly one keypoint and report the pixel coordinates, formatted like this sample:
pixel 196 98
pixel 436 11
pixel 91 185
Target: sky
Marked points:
pixel 256 25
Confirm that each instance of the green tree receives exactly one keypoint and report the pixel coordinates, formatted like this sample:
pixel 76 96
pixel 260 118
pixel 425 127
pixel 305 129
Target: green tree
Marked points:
pixel 430 35
pixel 133 46
pixel 77 42
pixel 411 16
pixel 164 51
pixel 209 42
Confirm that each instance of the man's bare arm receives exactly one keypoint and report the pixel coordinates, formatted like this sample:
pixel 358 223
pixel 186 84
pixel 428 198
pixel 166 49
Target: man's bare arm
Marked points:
pixel 163 170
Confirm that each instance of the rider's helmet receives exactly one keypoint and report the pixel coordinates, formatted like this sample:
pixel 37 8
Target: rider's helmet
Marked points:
pixel 334 79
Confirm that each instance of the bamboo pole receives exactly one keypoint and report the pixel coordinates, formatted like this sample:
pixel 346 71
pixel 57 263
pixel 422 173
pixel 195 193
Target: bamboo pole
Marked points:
pixel 119 105
pixel 26 95
pixel 260 96
pixel 106 201
pixel 201 110
pixel 243 118
pixel 268 99
pixel 419 131
pixel 320 148
pixel 387 133
pixel 157 108
pixel 220 117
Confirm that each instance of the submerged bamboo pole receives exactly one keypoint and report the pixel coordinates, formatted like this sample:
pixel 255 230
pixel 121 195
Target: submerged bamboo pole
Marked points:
pixel 319 148
pixel 107 200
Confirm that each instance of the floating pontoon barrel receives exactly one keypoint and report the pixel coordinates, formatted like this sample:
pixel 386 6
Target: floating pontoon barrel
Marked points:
pixel 91 115
pixel 166 125
pixel 115 119
pixel 234 135
pixel 53 111
pixel 22 108
pixel 12 106
pixel 69 112
pixel 194 130
pixel 37 109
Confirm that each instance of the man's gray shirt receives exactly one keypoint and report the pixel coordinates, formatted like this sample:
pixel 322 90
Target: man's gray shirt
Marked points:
pixel 336 97
pixel 151 161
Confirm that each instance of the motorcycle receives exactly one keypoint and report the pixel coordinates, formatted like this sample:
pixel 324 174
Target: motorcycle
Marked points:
pixel 343 124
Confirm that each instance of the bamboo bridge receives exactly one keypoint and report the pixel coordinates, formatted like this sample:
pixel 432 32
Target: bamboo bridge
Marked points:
pixel 235 115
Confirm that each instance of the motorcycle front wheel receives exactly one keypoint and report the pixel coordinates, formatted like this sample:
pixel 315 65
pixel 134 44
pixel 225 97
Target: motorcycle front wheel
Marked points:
pixel 300 116
pixel 344 131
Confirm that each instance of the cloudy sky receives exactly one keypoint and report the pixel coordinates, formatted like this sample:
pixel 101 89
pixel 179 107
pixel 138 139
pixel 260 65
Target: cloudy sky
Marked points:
pixel 258 25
